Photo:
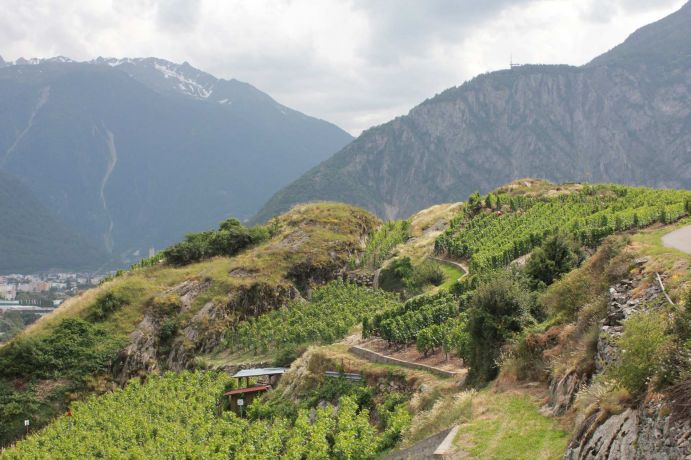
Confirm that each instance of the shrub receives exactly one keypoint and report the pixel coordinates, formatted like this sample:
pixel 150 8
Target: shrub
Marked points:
pixel 647 348
pixel 428 272
pixel 556 256
pixel 228 240
pixel 73 349
pixel 498 310
pixel 106 304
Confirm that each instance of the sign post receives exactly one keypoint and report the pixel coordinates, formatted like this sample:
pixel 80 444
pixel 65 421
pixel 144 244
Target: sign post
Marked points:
pixel 241 402
pixel 26 424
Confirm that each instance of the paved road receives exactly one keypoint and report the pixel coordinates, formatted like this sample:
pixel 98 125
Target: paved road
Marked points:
pixel 679 239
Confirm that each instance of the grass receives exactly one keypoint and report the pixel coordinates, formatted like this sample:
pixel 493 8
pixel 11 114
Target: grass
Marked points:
pixel 509 426
pixel 675 263
pixel 451 274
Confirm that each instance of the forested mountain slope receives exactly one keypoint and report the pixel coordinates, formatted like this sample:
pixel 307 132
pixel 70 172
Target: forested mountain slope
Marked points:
pixel 624 118
pixel 32 238
pixel 136 152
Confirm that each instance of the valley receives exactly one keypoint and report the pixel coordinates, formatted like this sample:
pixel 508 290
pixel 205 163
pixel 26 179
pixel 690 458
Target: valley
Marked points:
pixel 299 294
pixel 495 265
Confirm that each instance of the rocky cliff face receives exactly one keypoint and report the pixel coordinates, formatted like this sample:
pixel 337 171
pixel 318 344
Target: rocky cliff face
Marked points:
pixel 622 118
pixel 658 427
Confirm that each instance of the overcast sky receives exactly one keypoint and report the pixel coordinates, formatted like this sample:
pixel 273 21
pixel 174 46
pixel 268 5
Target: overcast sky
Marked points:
pixel 356 63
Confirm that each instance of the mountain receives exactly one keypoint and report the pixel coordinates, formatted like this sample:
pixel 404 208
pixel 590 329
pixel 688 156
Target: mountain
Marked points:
pixel 32 239
pixel 624 117
pixel 136 152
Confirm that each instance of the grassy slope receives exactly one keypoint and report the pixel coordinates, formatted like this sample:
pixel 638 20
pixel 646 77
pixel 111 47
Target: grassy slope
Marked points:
pixel 310 237
pixel 508 426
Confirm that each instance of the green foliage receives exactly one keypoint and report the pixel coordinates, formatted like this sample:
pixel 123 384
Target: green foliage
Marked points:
pixel 178 416
pixel 402 276
pixel 231 238
pixel 149 261
pixel 451 336
pixel 647 350
pixel 401 325
pixel 426 273
pixel 492 239
pixel 333 310
pixel 395 276
pixel 106 304
pixel 556 256
pixel 73 349
pixel 383 241
pixel 498 309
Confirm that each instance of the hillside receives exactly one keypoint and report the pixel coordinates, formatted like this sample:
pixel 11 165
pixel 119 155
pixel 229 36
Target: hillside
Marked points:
pixel 531 343
pixel 33 239
pixel 623 118
pixel 134 153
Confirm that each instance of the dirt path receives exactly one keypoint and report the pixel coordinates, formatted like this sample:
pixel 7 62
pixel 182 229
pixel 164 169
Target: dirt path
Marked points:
pixel 679 239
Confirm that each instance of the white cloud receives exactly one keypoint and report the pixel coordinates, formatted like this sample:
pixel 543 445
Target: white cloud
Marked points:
pixel 356 63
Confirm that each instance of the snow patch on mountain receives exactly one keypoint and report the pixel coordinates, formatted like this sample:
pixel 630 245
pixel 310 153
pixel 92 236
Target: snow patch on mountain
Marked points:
pixel 186 85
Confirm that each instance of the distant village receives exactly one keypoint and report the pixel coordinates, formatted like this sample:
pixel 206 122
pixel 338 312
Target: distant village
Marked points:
pixel 40 289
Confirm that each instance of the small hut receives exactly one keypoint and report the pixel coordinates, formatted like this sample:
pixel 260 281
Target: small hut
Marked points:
pixel 266 379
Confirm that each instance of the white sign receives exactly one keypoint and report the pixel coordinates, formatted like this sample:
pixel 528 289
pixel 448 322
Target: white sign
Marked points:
pixel 241 402
pixel 26 423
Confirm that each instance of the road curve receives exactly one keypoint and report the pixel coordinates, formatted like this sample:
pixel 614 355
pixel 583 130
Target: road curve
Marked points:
pixel 679 239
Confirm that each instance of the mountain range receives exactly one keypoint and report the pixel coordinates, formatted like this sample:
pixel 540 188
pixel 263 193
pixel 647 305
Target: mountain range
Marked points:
pixel 134 153
pixel 623 117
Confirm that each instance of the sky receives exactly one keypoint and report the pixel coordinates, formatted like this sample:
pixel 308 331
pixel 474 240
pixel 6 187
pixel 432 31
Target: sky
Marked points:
pixel 356 63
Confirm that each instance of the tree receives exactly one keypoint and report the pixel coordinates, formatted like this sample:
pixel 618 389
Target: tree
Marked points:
pixel 557 255
pixel 498 309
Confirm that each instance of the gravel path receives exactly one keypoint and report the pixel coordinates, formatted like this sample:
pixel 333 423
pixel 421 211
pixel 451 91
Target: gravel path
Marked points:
pixel 679 239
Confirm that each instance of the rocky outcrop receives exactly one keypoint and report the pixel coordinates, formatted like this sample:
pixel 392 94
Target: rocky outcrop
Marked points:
pixel 622 304
pixel 204 332
pixel 140 356
pixel 562 392
pixel 614 439
pixel 652 431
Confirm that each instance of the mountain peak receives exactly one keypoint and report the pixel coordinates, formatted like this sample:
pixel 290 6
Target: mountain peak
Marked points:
pixel 666 40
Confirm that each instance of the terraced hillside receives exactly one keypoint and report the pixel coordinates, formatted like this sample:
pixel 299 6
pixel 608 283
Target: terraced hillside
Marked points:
pixel 543 339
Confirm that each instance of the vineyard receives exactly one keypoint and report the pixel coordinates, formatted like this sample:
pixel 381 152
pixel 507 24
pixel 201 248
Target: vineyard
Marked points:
pixel 428 320
pixel 180 416
pixel 382 242
pixel 333 310
pixel 502 228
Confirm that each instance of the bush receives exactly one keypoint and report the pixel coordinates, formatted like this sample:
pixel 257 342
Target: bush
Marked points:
pixel 231 238
pixel 428 272
pixel 556 256
pixel 647 350
pixel 106 304
pixel 498 309
pixel 73 349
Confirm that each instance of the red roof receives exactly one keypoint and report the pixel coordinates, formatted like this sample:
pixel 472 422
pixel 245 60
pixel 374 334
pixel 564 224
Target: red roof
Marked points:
pixel 248 390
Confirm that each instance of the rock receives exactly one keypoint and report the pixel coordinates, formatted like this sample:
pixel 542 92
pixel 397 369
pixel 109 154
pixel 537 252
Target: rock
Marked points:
pixel 613 439
pixel 562 393
pixel 647 432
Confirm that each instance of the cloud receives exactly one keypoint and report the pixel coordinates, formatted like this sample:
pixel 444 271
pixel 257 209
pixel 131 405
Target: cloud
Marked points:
pixel 354 62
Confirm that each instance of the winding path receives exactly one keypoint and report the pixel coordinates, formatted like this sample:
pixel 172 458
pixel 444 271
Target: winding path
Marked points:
pixel 458 265
pixel 679 239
